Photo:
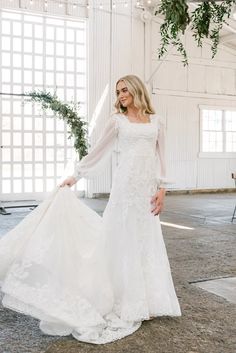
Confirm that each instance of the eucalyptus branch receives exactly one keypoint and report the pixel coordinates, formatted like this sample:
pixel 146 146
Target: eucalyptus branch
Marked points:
pixel 77 126
pixel 206 21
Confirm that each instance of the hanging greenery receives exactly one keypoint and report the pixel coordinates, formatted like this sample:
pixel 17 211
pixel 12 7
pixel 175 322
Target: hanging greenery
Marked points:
pixel 66 112
pixel 205 21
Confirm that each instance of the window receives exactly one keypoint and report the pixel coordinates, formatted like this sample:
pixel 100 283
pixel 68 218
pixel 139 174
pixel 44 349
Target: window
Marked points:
pixel 218 131
pixel 37 52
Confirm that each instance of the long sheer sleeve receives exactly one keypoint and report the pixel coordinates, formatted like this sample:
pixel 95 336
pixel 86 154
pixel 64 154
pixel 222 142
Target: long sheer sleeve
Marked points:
pixel 161 153
pixel 94 162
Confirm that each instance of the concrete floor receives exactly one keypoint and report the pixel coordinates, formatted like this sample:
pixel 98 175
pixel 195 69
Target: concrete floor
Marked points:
pixel 201 243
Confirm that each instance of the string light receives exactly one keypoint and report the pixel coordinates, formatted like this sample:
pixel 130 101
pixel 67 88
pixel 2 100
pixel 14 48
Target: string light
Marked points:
pixel 100 5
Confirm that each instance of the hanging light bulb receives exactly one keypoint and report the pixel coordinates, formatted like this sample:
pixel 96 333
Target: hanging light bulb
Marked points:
pixel 88 6
pixel 138 3
pixel 60 5
pixel 126 4
pixel 31 2
pixel 74 6
pixel 114 5
pixel 46 3
pixel 100 6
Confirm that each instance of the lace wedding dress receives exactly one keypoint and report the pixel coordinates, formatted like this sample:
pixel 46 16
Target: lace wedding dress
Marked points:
pixel 94 277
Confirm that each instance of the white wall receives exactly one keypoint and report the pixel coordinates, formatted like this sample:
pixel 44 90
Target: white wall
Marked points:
pixel 178 92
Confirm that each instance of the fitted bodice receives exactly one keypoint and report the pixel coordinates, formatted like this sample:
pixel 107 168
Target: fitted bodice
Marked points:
pixel 137 137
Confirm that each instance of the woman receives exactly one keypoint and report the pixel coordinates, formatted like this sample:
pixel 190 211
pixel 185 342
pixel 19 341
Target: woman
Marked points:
pixel 94 277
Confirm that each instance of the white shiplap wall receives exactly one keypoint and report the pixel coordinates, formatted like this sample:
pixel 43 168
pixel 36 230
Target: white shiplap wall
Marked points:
pixel 177 93
pixel 116 49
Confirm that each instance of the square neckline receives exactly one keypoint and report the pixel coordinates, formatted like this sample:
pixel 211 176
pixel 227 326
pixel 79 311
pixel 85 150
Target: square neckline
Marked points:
pixel 149 123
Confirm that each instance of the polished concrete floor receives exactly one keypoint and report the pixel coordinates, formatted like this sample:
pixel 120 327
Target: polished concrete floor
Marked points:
pixel 201 245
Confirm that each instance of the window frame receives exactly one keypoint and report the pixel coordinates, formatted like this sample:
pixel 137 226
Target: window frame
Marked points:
pixel 222 154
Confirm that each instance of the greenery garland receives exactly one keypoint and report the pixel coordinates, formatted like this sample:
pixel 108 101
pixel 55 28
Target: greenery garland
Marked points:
pixel 77 126
pixel 206 21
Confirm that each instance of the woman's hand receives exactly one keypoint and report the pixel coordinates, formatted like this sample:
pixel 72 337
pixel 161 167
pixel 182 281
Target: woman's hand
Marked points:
pixel 158 201
pixel 70 181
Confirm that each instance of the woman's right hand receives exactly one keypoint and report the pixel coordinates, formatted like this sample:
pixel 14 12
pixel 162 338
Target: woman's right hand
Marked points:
pixel 70 181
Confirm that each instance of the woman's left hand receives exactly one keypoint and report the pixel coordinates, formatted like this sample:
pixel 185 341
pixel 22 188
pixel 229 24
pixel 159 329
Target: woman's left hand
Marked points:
pixel 158 201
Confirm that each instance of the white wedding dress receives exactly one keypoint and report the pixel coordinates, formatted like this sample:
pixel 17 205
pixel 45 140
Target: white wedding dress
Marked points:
pixel 96 277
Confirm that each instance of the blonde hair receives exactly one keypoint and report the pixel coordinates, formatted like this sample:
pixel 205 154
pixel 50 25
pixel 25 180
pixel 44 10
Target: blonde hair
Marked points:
pixel 140 95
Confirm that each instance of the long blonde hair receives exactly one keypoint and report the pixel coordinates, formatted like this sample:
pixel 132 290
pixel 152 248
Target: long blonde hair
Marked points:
pixel 140 95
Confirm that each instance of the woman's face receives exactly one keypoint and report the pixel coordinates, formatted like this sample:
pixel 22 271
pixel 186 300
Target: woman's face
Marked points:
pixel 124 96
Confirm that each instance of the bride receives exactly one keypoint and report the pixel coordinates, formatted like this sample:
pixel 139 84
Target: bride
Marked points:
pixel 95 277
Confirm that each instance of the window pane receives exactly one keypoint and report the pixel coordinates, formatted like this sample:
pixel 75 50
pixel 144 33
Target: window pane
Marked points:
pixel 6 107
pixel 38 169
pixel 230 121
pixel 38 139
pixel 28 154
pixel 39 185
pixel 6 75
pixel 38 62
pixel 38 47
pixel 6 27
pixel 6 186
pixel 6 154
pixel 28 185
pixel 49 154
pixel 28 29
pixel 17 60
pixel 6 59
pixel 17 154
pixel 6 171
pixel 39 154
pixel 28 139
pixel 60 49
pixel 38 123
pixel 49 124
pixel 17 186
pixel 38 31
pixel 17 170
pixel 6 122
pixel 28 123
pixel 212 142
pixel 17 122
pixel 28 170
pixel 60 169
pixel 17 140
pixel 50 169
pixel 230 141
pixel 50 48
pixel 6 138
pixel 17 28
pixel 50 32
pixel 212 120
pixel 6 43
pixel 17 44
